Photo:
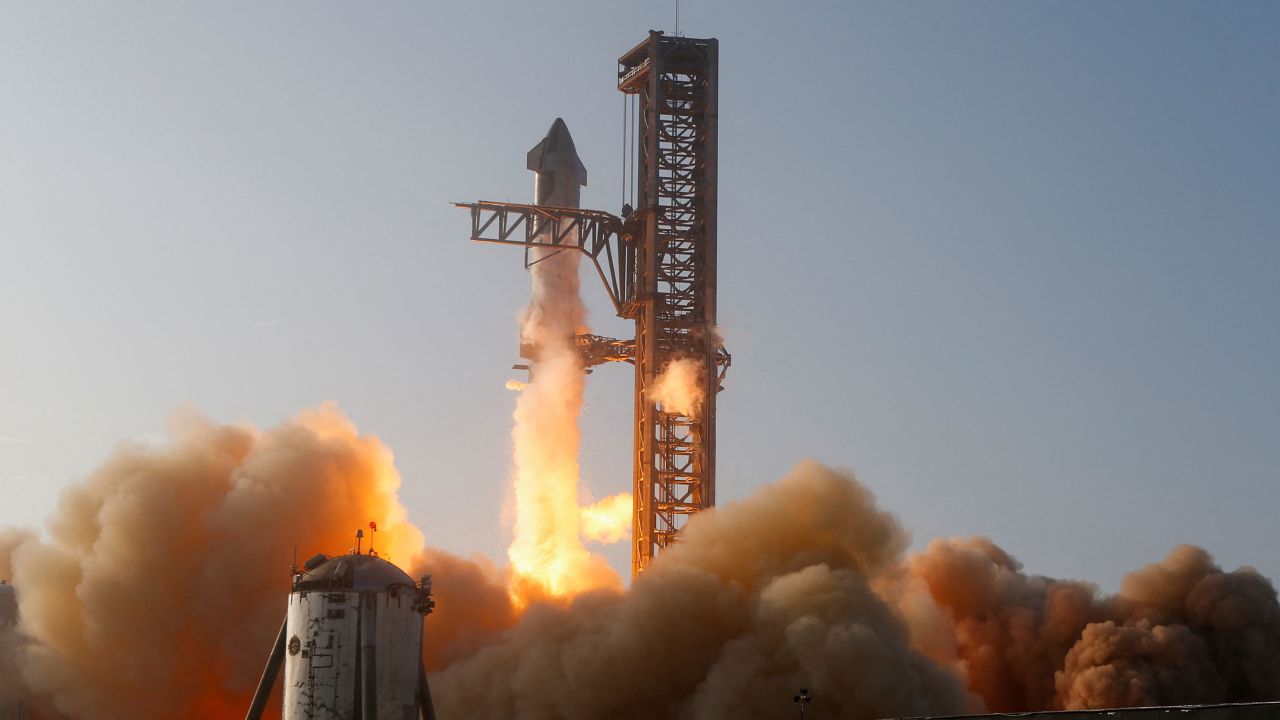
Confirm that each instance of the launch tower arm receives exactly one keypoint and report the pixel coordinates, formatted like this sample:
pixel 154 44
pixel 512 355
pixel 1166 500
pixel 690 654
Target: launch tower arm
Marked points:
pixel 606 239
pixel 597 350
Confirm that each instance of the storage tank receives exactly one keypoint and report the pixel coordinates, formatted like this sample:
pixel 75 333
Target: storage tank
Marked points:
pixel 353 641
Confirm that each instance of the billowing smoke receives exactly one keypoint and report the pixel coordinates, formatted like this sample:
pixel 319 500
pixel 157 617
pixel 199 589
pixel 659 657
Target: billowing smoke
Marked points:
pixel 164 574
pixel 1181 631
pixel 162 579
pixel 759 599
pixel 1184 627
pixel 473 604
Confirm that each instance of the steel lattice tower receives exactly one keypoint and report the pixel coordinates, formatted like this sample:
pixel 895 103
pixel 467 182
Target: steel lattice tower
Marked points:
pixel 675 271
pixel 659 267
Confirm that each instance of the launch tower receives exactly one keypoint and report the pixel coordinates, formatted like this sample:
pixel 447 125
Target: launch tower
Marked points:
pixel 658 264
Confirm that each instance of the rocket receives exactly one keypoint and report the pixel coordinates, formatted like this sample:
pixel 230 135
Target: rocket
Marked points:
pixel 560 173
pixel 558 179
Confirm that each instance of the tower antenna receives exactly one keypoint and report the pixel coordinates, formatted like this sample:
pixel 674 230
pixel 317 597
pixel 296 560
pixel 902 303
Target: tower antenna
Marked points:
pixel 677 17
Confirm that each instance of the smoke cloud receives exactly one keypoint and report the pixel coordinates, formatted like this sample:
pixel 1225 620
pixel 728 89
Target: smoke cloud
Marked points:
pixel 1182 630
pixel 164 574
pixel 759 599
pixel 159 584
pixel 473 604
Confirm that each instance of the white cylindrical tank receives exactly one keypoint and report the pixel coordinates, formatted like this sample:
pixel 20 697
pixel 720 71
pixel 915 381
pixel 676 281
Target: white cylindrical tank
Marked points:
pixel 344 612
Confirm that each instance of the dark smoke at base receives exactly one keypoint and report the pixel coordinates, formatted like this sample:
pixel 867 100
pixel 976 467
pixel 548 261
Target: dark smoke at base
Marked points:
pixel 162 581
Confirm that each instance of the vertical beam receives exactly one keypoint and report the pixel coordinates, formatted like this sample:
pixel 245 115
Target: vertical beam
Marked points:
pixel 644 477
pixel 708 205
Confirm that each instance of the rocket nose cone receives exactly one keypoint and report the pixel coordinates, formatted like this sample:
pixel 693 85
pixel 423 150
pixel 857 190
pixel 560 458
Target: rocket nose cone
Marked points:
pixel 558 138
pixel 556 151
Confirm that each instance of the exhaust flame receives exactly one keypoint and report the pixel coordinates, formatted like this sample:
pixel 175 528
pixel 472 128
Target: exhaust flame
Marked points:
pixel 679 389
pixel 608 521
pixel 547 554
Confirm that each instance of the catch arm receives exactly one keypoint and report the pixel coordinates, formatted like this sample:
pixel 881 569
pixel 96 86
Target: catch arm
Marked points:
pixel 606 239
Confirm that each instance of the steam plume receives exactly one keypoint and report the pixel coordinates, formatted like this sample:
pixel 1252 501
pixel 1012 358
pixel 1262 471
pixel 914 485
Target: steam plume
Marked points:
pixel 678 388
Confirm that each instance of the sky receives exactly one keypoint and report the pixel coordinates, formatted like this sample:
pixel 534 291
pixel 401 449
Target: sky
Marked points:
pixel 1017 265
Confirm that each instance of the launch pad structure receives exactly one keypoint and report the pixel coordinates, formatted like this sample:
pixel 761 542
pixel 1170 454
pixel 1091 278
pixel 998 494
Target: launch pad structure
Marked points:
pixel 658 264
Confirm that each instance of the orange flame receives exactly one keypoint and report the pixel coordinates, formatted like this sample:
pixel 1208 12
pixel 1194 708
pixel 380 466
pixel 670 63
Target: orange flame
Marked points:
pixel 547 554
pixel 609 520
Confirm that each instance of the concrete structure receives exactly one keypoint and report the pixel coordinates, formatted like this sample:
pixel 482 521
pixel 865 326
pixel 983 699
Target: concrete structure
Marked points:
pixel 658 264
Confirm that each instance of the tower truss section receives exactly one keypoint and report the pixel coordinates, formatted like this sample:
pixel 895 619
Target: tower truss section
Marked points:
pixel 675 81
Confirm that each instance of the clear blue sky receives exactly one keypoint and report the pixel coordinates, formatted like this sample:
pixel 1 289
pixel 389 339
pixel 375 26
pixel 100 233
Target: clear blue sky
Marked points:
pixel 1015 263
